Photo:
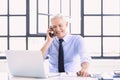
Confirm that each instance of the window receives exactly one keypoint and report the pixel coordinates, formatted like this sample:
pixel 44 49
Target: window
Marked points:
pixel 101 27
pixel 14 27
pixel 40 16
pixel 23 24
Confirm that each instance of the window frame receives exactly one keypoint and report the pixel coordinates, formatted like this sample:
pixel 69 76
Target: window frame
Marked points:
pixel 102 35
pixel 27 15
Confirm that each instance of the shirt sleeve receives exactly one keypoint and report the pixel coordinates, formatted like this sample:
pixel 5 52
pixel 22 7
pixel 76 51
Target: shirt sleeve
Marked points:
pixel 81 50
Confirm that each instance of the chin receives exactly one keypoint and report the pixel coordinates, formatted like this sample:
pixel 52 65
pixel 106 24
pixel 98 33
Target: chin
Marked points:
pixel 60 36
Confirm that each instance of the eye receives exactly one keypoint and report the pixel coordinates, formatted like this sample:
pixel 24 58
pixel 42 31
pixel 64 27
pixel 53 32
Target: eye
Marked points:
pixel 54 26
pixel 60 25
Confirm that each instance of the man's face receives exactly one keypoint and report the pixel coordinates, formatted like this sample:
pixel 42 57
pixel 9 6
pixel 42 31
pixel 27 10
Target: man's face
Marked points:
pixel 59 27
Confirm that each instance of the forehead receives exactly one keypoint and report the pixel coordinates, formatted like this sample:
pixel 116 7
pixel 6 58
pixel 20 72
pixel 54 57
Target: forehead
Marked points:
pixel 57 21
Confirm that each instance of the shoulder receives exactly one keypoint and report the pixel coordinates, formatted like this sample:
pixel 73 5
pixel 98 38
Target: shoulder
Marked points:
pixel 76 37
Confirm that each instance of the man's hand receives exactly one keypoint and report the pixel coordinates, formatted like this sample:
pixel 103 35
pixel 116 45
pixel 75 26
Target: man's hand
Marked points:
pixel 49 38
pixel 47 42
pixel 84 71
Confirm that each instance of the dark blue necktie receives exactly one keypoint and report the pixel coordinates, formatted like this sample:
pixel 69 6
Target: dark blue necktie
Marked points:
pixel 61 57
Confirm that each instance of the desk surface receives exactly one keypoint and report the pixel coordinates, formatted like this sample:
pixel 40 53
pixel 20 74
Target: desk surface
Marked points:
pixel 5 76
pixel 55 78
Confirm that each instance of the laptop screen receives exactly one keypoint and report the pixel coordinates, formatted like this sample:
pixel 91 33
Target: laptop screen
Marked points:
pixel 26 63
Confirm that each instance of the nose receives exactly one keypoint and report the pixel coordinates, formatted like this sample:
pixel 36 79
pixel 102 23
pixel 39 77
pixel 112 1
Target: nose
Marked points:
pixel 57 28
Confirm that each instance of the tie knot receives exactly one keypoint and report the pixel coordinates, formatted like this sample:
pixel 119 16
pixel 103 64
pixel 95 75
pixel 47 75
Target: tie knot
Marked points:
pixel 61 40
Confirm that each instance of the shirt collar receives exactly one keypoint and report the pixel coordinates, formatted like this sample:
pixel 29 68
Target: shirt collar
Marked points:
pixel 66 38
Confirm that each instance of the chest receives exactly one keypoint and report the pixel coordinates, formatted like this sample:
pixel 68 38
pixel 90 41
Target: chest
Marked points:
pixel 70 51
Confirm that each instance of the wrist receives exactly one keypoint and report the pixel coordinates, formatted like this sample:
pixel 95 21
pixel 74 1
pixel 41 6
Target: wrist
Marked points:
pixel 49 41
pixel 85 65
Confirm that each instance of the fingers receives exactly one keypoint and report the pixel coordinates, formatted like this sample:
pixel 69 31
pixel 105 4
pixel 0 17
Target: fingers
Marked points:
pixel 83 74
pixel 48 36
pixel 48 31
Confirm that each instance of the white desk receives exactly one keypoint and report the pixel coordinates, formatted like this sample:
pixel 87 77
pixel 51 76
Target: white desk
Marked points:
pixel 5 76
pixel 55 78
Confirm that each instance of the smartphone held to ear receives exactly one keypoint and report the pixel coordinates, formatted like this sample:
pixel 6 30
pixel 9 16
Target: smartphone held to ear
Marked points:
pixel 51 34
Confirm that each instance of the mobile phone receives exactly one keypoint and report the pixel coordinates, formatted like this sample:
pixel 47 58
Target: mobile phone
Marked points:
pixel 52 32
pixel 117 72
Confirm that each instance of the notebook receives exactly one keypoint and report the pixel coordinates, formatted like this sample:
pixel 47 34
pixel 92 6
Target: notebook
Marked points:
pixel 27 63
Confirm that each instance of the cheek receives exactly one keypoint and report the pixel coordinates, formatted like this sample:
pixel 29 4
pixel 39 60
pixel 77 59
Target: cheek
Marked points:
pixel 64 29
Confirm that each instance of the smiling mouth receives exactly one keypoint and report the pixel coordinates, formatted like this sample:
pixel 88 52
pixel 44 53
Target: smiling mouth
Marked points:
pixel 59 32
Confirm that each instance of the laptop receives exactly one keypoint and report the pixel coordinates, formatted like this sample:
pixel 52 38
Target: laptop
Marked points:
pixel 26 63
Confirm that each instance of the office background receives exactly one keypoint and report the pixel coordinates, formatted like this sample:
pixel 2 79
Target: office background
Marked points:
pixel 23 24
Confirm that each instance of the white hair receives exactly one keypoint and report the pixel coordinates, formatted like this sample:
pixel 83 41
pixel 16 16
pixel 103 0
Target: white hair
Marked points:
pixel 58 16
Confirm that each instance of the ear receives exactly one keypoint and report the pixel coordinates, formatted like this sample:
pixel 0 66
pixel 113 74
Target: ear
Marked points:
pixel 66 24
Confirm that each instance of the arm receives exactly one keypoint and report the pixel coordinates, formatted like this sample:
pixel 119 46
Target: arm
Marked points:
pixel 45 47
pixel 47 43
pixel 85 60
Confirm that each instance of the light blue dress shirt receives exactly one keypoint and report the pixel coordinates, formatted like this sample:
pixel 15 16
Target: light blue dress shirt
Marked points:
pixel 74 53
